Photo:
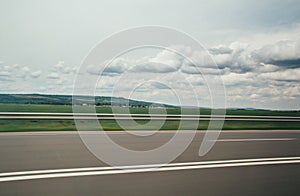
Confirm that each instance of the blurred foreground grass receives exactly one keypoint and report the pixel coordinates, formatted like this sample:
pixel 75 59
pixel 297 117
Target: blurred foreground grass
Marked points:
pixel 110 125
pixel 101 109
pixel 8 125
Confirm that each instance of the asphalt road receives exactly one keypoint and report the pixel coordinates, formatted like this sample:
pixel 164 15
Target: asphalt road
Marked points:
pixel 231 175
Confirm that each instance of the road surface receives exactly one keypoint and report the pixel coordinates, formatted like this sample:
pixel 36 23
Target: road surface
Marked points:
pixel 241 163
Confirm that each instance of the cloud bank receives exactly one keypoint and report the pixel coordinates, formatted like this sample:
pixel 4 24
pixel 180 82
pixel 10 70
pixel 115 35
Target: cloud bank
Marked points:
pixel 261 71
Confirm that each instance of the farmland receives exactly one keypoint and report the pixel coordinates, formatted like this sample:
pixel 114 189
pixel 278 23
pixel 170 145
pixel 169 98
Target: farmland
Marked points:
pixel 9 125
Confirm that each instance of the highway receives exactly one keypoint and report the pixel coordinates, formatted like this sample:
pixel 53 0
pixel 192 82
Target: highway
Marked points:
pixel 254 162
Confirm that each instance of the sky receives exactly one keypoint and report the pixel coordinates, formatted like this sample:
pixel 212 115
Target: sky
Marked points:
pixel 256 46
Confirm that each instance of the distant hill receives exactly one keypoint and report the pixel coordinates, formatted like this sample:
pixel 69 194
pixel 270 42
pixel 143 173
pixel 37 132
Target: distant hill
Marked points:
pixel 67 100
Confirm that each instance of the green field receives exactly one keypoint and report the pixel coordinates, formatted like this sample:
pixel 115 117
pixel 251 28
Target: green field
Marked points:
pixel 110 125
pixel 101 109
pixel 8 125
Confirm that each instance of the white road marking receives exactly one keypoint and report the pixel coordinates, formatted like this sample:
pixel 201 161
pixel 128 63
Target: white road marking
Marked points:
pixel 253 140
pixel 145 166
pixel 92 171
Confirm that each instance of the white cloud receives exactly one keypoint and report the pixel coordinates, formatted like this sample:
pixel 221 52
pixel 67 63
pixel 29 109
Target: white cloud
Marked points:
pixel 4 73
pixel 283 75
pixel 258 74
pixel 25 69
pixel 116 67
pixel 53 76
pixel 153 67
pixel 36 74
pixel 265 68
pixel 236 79
pixel 165 61
pixel 59 65
pixel 256 71
pixel 62 68
pixel 16 71
pixel 283 53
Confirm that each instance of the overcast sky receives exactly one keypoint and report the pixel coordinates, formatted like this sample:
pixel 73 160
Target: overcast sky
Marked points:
pixel 255 44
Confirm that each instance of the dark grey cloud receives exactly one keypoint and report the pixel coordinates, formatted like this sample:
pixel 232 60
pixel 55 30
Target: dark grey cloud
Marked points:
pixel 159 85
pixel 288 63
pixel 114 68
pixel 288 80
pixel 189 68
pixel 113 71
